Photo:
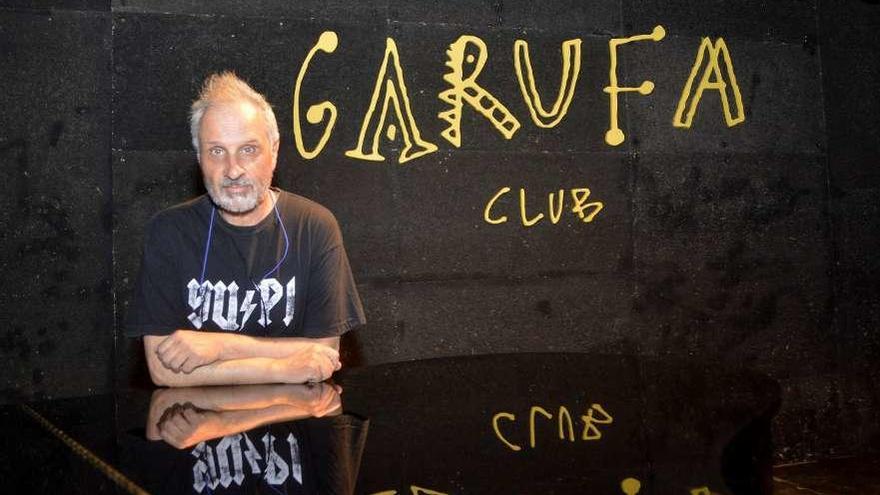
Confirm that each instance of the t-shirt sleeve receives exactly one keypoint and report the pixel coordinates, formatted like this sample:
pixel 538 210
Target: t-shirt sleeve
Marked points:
pixel 156 307
pixel 333 305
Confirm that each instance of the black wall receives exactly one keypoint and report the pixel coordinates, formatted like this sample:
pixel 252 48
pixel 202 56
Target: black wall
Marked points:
pixel 748 245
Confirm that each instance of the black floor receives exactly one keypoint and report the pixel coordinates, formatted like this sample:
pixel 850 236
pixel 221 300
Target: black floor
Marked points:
pixel 851 475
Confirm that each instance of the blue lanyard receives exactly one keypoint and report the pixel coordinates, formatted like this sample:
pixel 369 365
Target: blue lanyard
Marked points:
pixel 211 236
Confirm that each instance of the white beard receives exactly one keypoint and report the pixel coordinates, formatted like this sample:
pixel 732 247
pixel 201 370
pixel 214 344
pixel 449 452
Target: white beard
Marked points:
pixel 237 203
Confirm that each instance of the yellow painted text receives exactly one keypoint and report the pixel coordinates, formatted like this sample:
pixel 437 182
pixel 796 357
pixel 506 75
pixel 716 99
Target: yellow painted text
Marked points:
pixel 594 417
pixel 395 96
pixel 615 136
pixel 580 206
pixel 713 78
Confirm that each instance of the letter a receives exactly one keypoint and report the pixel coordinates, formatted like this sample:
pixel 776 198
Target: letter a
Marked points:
pixel 712 71
pixel 571 67
pixel 395 95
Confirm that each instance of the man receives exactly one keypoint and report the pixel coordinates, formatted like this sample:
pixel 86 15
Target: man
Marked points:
pixel 247 284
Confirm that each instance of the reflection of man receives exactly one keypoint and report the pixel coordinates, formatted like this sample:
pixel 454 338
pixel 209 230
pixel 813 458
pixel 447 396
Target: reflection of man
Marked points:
pixel 184 417
pixel 277 438
pixel 247 284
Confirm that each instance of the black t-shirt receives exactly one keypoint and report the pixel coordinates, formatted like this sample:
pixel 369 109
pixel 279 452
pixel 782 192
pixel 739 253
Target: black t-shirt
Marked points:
pixel 241 280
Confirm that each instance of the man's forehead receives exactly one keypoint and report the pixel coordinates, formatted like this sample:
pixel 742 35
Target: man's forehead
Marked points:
pixel 242 119
pixel 236 109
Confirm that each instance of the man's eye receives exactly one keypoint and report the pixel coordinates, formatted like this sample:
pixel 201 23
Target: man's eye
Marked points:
pixel 216 151
pixel 249 149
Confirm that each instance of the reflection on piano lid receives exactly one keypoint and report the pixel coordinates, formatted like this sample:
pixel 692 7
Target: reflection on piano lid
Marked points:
pixel 563 424
pixel 246 439
pixel 515 423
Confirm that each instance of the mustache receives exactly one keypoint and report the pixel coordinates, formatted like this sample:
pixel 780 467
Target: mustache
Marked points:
pixel 240 182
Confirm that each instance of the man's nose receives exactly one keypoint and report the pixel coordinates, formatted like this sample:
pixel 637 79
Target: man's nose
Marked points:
pixel 234 167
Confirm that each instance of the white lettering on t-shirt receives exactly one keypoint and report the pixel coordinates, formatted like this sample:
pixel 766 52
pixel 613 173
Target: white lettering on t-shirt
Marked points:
pixel 228 473
pixel 225 322
pixel 213 466
pixel 248 306
pixel 296 469
pixel 270 293
pixel 290 298
pixel 204 473
pixel 219 302
pixel 251 454
pixel 198 301
pixel 277 470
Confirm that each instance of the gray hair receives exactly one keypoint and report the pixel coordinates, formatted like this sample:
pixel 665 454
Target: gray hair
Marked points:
pixel 226 87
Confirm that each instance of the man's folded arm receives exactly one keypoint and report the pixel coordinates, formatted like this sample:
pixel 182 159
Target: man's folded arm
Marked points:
pixel 189 358
pixel 238 346
pixel 187 349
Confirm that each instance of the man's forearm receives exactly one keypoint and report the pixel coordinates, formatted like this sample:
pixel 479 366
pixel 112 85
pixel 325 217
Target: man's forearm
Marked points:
pixel 238 398
pixel 237 346
pixel 310 364
pixel 200 348
pixel 187 350
pixel 187 427
pixel 230 372
pixel 244 420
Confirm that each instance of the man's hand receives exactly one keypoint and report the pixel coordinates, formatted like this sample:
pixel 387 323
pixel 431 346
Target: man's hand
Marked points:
pixel 310 363
pixel 318 400
pixel 163 400
pixel 186 350
pixel 184 426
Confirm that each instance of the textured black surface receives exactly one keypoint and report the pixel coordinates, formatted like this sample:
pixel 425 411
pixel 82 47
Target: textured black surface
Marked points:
pixel 569 16
pixel 364 11
pixel 448 318
pixel 56 213
pixel 55 5
pixel 782 20
pixel 849 36
pixel 733 262
pixel 849 39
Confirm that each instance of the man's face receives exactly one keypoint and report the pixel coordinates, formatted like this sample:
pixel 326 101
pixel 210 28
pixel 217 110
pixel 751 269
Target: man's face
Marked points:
pixel 237 158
